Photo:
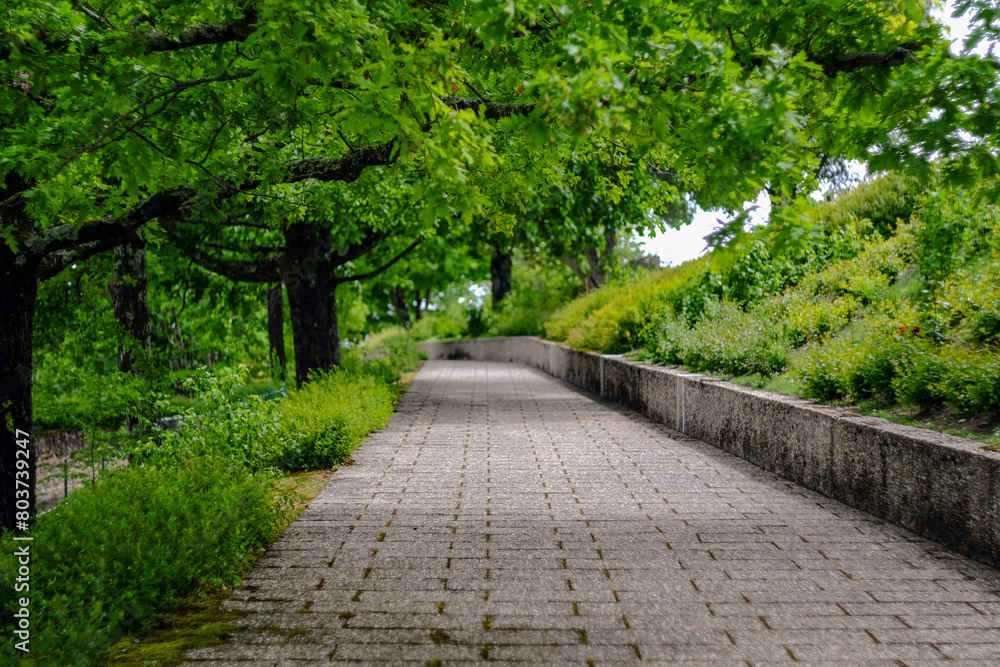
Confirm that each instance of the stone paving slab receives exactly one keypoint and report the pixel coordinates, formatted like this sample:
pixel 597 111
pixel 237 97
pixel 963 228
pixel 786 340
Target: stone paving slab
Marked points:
pixel 503 516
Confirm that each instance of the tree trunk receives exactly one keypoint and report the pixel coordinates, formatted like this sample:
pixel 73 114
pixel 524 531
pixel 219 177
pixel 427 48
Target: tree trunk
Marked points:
pixel 585 278
pixel 17 441
pixel 276 328
pixel 307 274
pixel 501 267
pixel 422 303
pixel 596 265
pixel 398 298
pixel 130 297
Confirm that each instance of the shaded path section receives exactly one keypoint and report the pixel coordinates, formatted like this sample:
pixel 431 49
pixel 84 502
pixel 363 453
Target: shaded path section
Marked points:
pixel 503 516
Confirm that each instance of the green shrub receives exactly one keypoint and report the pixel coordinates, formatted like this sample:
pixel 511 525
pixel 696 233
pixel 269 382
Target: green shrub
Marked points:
pixel 920 376
pixel 865 361
pixel 891 293
pixel 539 290
pixel 808 318
pixel 756 273
pixel 516 319
pixel 968 380
pixel 869 276
pixel 971 381
pixel 731 341
pixel 692 298
pixel 572 314
pixel 71 396
pixel 971 303
pixel 477 321
pixel 109 556
pixel 984 326
pixel 248 431
pixel 882 201
pixel 451 322
pixel 329 416
pixel 951 228
pixel 400 347
pixel 316 426
pixel 613 318
pixel 663 339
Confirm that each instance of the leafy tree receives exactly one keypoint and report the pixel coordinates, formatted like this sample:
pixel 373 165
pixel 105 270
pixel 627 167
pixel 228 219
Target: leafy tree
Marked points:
pixel 409 288
pixel 310 248
pixel 138 114
pixel 587 225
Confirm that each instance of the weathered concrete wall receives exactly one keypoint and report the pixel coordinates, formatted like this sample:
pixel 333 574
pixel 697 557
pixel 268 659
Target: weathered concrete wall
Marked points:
pixel 940 486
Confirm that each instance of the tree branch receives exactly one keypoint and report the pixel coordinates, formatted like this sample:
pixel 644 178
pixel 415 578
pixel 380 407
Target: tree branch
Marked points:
pixel 346 169
pixel 253 247
pixel 202 34
pixel 138 20
pixel 263 270
pixel 172 204
pixel 199 34
pixel 571 263
pixel 53 263
pixel 384 267
pixel 848 62
pixel 94 15
pixel 174 91
pixel 110 230
pixel 372 238
pixel 494 110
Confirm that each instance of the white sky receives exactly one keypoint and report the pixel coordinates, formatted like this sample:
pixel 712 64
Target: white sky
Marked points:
pixel 676 246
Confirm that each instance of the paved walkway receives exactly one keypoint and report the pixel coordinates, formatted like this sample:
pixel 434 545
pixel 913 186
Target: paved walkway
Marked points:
pixel 504 516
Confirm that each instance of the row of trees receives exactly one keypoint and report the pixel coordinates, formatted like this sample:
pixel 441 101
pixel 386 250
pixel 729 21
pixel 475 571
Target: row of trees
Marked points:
pixel 285 141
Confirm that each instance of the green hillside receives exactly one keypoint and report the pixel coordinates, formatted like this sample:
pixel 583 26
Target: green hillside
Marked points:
pixel 889 299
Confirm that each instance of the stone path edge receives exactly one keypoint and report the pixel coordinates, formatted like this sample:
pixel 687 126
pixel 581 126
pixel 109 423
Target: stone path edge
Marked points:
pixel 940 486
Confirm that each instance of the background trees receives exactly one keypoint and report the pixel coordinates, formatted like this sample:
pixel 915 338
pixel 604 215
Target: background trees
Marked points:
pixel 589 224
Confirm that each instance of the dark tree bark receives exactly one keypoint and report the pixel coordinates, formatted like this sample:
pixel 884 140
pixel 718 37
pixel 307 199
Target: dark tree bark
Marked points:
pixel 501 267
pixel 276 328
pixel 398 297
pixel 307 273
pixel 17 480
pixel 19 277
pixel 130 297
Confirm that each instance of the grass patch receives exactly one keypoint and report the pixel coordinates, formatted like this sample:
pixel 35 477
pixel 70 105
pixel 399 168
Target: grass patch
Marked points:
pixel 198 621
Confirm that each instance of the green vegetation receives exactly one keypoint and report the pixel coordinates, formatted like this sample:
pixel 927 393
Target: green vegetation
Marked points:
pixel 867 307
pixel 193 507
pixel 151 537
pixel 198 620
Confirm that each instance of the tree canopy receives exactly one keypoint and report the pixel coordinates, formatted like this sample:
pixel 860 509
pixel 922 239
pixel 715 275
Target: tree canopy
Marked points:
pixel 119 117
